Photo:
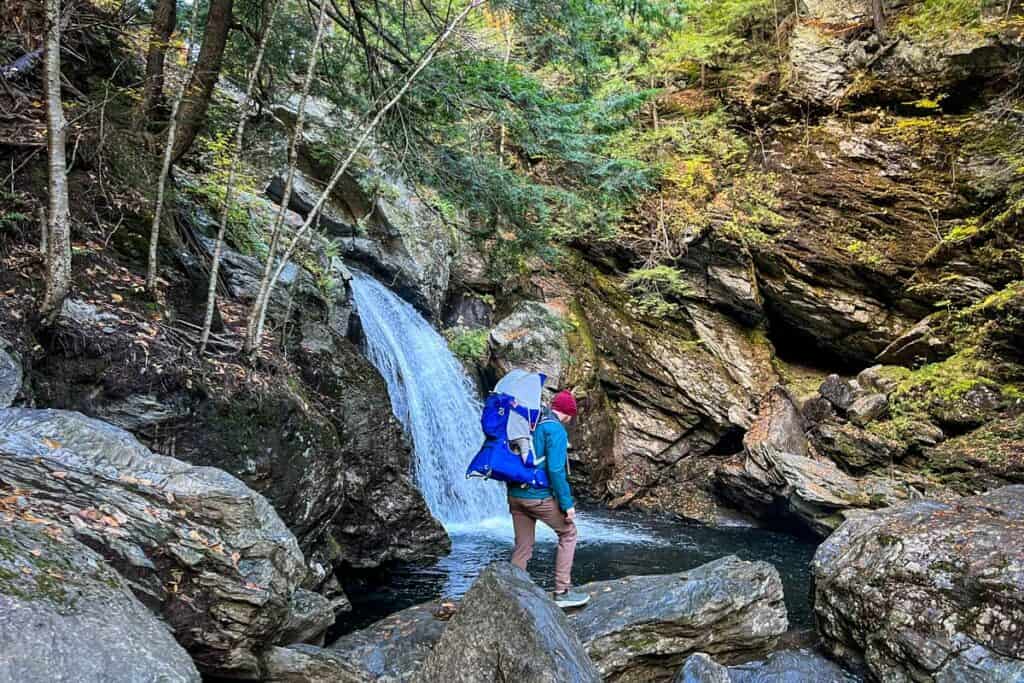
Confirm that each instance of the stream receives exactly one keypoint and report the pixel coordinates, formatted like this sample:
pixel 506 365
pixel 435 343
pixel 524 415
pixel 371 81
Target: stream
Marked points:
pixel 435 401
pixel 612 544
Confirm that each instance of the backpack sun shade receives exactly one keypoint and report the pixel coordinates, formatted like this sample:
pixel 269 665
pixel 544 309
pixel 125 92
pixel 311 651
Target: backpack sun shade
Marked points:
pixel 510 412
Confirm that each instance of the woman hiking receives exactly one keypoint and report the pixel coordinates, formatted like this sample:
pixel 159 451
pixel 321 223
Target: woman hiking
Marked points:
pixel 554 506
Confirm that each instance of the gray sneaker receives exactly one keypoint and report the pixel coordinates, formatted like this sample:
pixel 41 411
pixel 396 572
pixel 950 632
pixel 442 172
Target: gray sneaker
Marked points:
pixel 570 598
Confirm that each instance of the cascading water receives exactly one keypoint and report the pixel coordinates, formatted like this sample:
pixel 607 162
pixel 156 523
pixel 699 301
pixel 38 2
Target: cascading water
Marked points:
pixel 433 398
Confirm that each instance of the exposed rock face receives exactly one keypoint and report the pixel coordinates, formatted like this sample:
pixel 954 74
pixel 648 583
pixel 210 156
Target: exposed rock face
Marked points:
pixel 640 628
pixel 507 629
pixel 927 591
pixel 10 375
pixel 411 242
pixel 200 548
pixel 784 666
pixel 392 649
pixel 833 63
pixel 531 337
pixel 662 396
pixel 67 616
pixel 777 479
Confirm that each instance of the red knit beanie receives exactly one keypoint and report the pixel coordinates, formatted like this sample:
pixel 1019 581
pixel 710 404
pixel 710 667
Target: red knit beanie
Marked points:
pixel 565 403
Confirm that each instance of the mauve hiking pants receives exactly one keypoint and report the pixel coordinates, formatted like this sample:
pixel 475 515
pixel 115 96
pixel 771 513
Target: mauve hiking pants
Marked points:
pixel 525 513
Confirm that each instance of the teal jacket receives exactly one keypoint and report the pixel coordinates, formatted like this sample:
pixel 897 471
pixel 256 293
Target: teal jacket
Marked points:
pixel 551 442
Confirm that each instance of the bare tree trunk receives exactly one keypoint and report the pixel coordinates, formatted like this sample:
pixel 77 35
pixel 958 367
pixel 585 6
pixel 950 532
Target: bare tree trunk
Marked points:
pixel 269 9
pixel 878 15
pixel 165 168
pixel 164 20
pixel 340 170
pixel 204 76
pixel 58 242
pixel 251 338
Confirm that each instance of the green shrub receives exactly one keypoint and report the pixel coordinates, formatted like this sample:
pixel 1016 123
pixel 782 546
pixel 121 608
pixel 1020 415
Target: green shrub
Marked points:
pixel 468 345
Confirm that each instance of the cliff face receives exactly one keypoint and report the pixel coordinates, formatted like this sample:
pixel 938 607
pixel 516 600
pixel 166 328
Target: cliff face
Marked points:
pixel 874 221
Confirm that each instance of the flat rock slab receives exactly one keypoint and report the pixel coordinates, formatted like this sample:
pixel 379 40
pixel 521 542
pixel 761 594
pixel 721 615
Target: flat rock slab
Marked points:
pixel 65 615
pixel 393 648
pixel 784 666
pixel 508 629
pixel 929 591
pixel 641 628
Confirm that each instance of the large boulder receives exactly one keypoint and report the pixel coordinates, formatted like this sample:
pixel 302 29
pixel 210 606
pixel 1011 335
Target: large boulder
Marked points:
pixel 507 629
pixel 318 440
pixel 783 666
pixel 641 628
pixel 928 591
pixel 777 479
pixel 198 547
pixel 65 615
pixel 394 648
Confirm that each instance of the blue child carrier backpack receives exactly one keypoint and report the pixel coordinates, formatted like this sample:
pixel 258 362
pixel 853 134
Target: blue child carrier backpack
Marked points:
pixel 496 459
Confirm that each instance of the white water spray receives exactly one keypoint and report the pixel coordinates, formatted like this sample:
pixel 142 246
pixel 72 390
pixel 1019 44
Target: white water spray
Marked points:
pixel 433 398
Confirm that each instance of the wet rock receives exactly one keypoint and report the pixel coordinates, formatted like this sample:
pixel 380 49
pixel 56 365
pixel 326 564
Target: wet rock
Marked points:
pixel 783 666
pixel 309 616
pixel 921 344
pixel 927 591
pixel 394 648
pixel 185 536
pixel 394 268
pixel 864 409
pixel 531 337
pixel 840 392
pixel 466 310
pixel 640 628
pixel 777 481
pixel 308 664
pixel 507 629
pixel 65 615
pixel 854 448
pixel 343 480
pixel 10 374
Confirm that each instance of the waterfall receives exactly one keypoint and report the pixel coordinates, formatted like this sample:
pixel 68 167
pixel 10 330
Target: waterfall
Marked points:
pixel 433 398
